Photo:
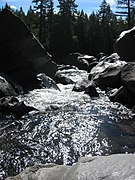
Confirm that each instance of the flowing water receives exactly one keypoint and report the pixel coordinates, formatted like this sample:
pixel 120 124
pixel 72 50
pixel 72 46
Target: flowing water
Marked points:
pixel 69 125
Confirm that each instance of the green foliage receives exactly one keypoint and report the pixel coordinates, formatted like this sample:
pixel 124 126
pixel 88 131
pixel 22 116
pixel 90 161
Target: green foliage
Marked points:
pixel 70 30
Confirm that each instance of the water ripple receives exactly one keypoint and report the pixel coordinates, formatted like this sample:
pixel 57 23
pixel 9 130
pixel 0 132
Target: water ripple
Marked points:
pixel 68 125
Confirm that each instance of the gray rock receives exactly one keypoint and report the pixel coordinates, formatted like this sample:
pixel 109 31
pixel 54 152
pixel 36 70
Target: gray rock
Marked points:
pixel 91 91
pixel 5 88
pixel 126 93
pixel 47 82
pixel 87 86
pixel 8 87
pixel 125 45
pixel 81 85
pixel 78 60
pixel 62 79
pixel 107 72
pixel 90 59
pixel 12 106
pixel 113 167
pixel 128 76
pixel 22 56
pixel 122 96
pixel 42 172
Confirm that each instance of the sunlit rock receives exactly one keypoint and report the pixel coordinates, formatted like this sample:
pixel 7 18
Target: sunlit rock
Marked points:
pixel 107 72
pixel 114 167
pixel 81 85
pixel 22 56
pixel 125 45
pixel 46 82
pixel 87 86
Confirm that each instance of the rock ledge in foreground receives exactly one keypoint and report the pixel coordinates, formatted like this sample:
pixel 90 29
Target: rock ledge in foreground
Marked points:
pixel 113 167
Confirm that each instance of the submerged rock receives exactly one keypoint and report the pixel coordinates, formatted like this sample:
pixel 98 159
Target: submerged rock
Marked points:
pixel 22 55
pixel 114 167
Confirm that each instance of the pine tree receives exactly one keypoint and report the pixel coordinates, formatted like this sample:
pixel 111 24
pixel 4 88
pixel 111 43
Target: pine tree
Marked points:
pixel 6 6
pixel 105 18
pixel 32 21
pixel 81 30
pixel 94 39
pixel 67 11
pixel 41 8
pixel 21 14
pixel 50 23
pixel 127 7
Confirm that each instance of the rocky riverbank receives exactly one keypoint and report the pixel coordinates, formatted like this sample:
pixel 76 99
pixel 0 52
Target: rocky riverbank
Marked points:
pixel 25 65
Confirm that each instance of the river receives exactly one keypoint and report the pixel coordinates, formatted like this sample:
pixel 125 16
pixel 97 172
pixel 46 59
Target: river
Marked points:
pixel 69 125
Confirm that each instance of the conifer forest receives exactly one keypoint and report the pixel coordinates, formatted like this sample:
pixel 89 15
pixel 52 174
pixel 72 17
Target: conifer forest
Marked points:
pixel 68 30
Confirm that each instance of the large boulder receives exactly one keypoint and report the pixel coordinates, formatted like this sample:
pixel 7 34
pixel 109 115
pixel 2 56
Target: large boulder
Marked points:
pixel 47 82
pixel 126 93
pixel 22 56
pixel 125 45
pixel 107 72
pixel 123 96
pixel 128 77
pixel 114 167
